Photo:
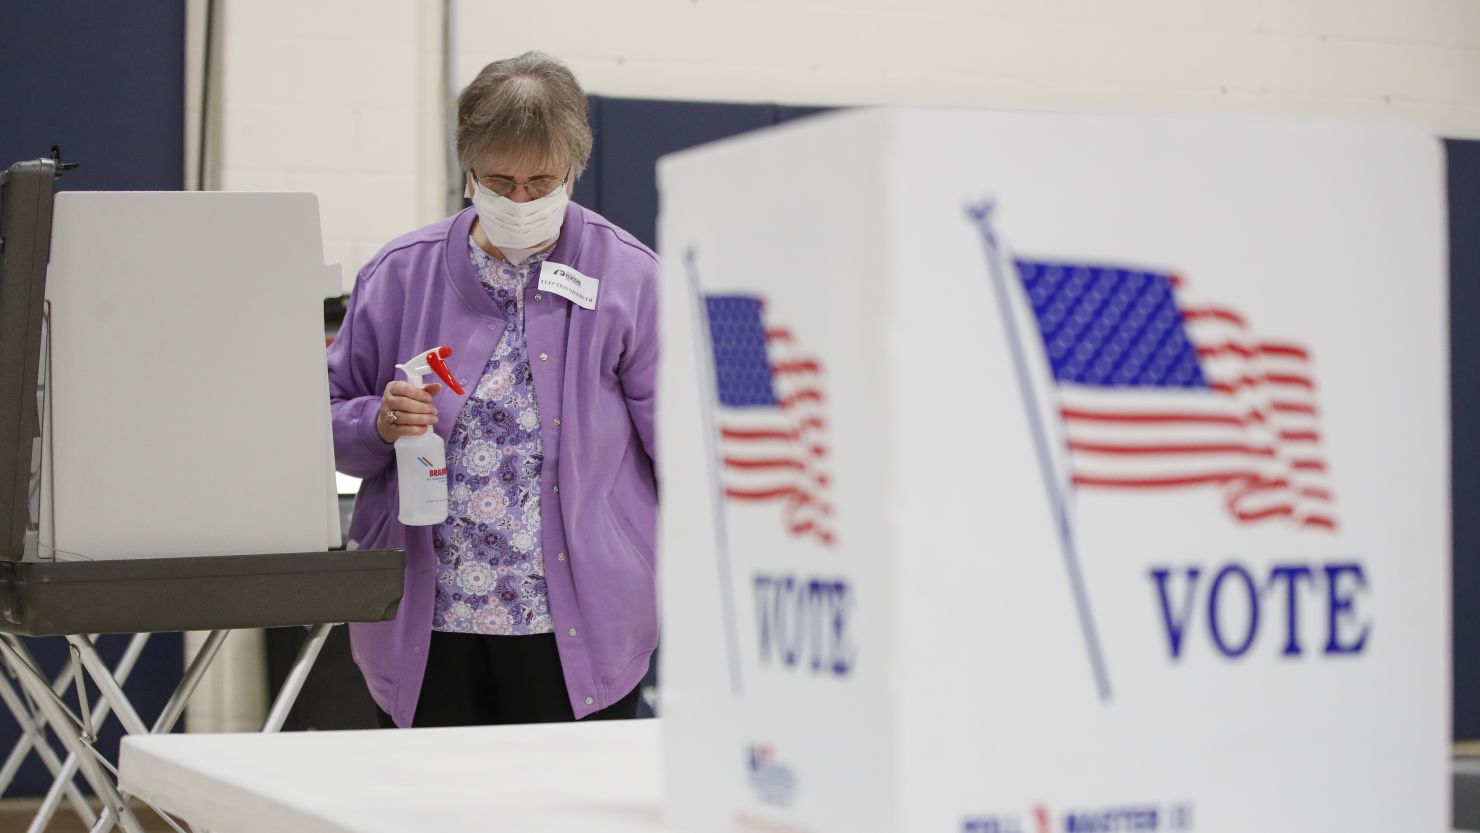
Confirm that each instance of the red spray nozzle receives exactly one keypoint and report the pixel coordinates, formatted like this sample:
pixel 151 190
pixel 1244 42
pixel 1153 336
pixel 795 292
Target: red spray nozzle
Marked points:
pixel 439 367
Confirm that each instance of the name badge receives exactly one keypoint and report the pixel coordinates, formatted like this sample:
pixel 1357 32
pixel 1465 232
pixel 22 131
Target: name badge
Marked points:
pixel 569 284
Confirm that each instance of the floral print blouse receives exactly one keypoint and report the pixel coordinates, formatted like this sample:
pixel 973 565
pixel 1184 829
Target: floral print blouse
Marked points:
pixel 490 567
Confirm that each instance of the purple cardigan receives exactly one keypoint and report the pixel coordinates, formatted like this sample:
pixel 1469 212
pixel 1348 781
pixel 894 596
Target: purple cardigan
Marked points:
pixel 595 379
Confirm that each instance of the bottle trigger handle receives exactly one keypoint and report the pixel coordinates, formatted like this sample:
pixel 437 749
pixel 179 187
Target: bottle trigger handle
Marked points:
pixel 439 367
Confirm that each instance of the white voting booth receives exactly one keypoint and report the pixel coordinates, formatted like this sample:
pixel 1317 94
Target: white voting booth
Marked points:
pixel 1032 473
pixel 185 477
pixel 191 406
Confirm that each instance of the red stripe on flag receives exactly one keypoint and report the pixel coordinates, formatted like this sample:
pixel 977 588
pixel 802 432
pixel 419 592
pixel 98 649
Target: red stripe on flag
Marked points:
pixel 1151 418
pixel 1281 511
pixel 805 395
pixel 811 424
pixel 1226 349
pixel 737 463
pixel 803 526
pixel 1232 348
pixel 1213 313
pixel 1291 351
pixel 1229 448
pixel 1290 379
pixel 1293 408
pixel 757 434
pixel 1282 379
pixel 1258 484
pixel 791 492
pixel 759 494
pixel 809 528
pixel 799 366
pixel 1159 482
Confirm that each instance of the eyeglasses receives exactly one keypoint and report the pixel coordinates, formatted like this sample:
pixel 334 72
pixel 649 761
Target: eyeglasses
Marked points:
pixel 540 186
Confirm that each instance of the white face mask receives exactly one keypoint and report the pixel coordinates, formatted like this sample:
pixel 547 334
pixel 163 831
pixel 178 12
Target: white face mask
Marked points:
pixel 519 229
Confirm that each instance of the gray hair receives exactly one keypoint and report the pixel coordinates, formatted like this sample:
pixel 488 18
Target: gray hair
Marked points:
pixel 530 105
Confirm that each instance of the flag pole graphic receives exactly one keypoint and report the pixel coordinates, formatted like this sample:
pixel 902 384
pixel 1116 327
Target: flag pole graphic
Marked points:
pixel 981 215
pixel 708 395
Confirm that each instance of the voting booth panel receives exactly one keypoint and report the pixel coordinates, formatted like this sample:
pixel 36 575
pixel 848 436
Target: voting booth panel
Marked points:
pixel 180 323
pixel 1064 473
pixel 754 553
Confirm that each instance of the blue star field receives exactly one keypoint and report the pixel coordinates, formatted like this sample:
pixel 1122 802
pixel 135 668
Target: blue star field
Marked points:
pixel 1108 327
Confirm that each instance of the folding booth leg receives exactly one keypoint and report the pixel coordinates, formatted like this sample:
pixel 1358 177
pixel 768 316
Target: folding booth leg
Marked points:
pixel 66 729
pixel 193 675
pixel 302 664
pixel 30 728
pixel 107 684
pixel 69 767
pixel 33 726
pixel 172 710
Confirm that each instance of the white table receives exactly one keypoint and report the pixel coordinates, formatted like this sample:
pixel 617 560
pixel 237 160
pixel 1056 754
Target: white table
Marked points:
pixel 557 778
pixel 533 779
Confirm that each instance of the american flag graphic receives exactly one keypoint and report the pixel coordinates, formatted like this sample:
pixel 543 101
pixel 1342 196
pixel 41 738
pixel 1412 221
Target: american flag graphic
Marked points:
pixel 770 416
pixel 1160 390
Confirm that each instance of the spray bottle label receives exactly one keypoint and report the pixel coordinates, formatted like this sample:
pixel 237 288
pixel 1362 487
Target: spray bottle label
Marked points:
pixel 433 472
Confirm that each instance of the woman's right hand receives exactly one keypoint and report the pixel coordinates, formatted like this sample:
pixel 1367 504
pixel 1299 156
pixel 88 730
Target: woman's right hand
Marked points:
pixel 412 407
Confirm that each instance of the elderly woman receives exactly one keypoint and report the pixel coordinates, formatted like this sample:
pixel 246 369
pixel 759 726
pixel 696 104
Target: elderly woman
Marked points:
pixel 535 600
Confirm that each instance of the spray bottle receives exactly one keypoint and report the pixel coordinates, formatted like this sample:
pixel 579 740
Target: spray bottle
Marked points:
pixel 421 459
